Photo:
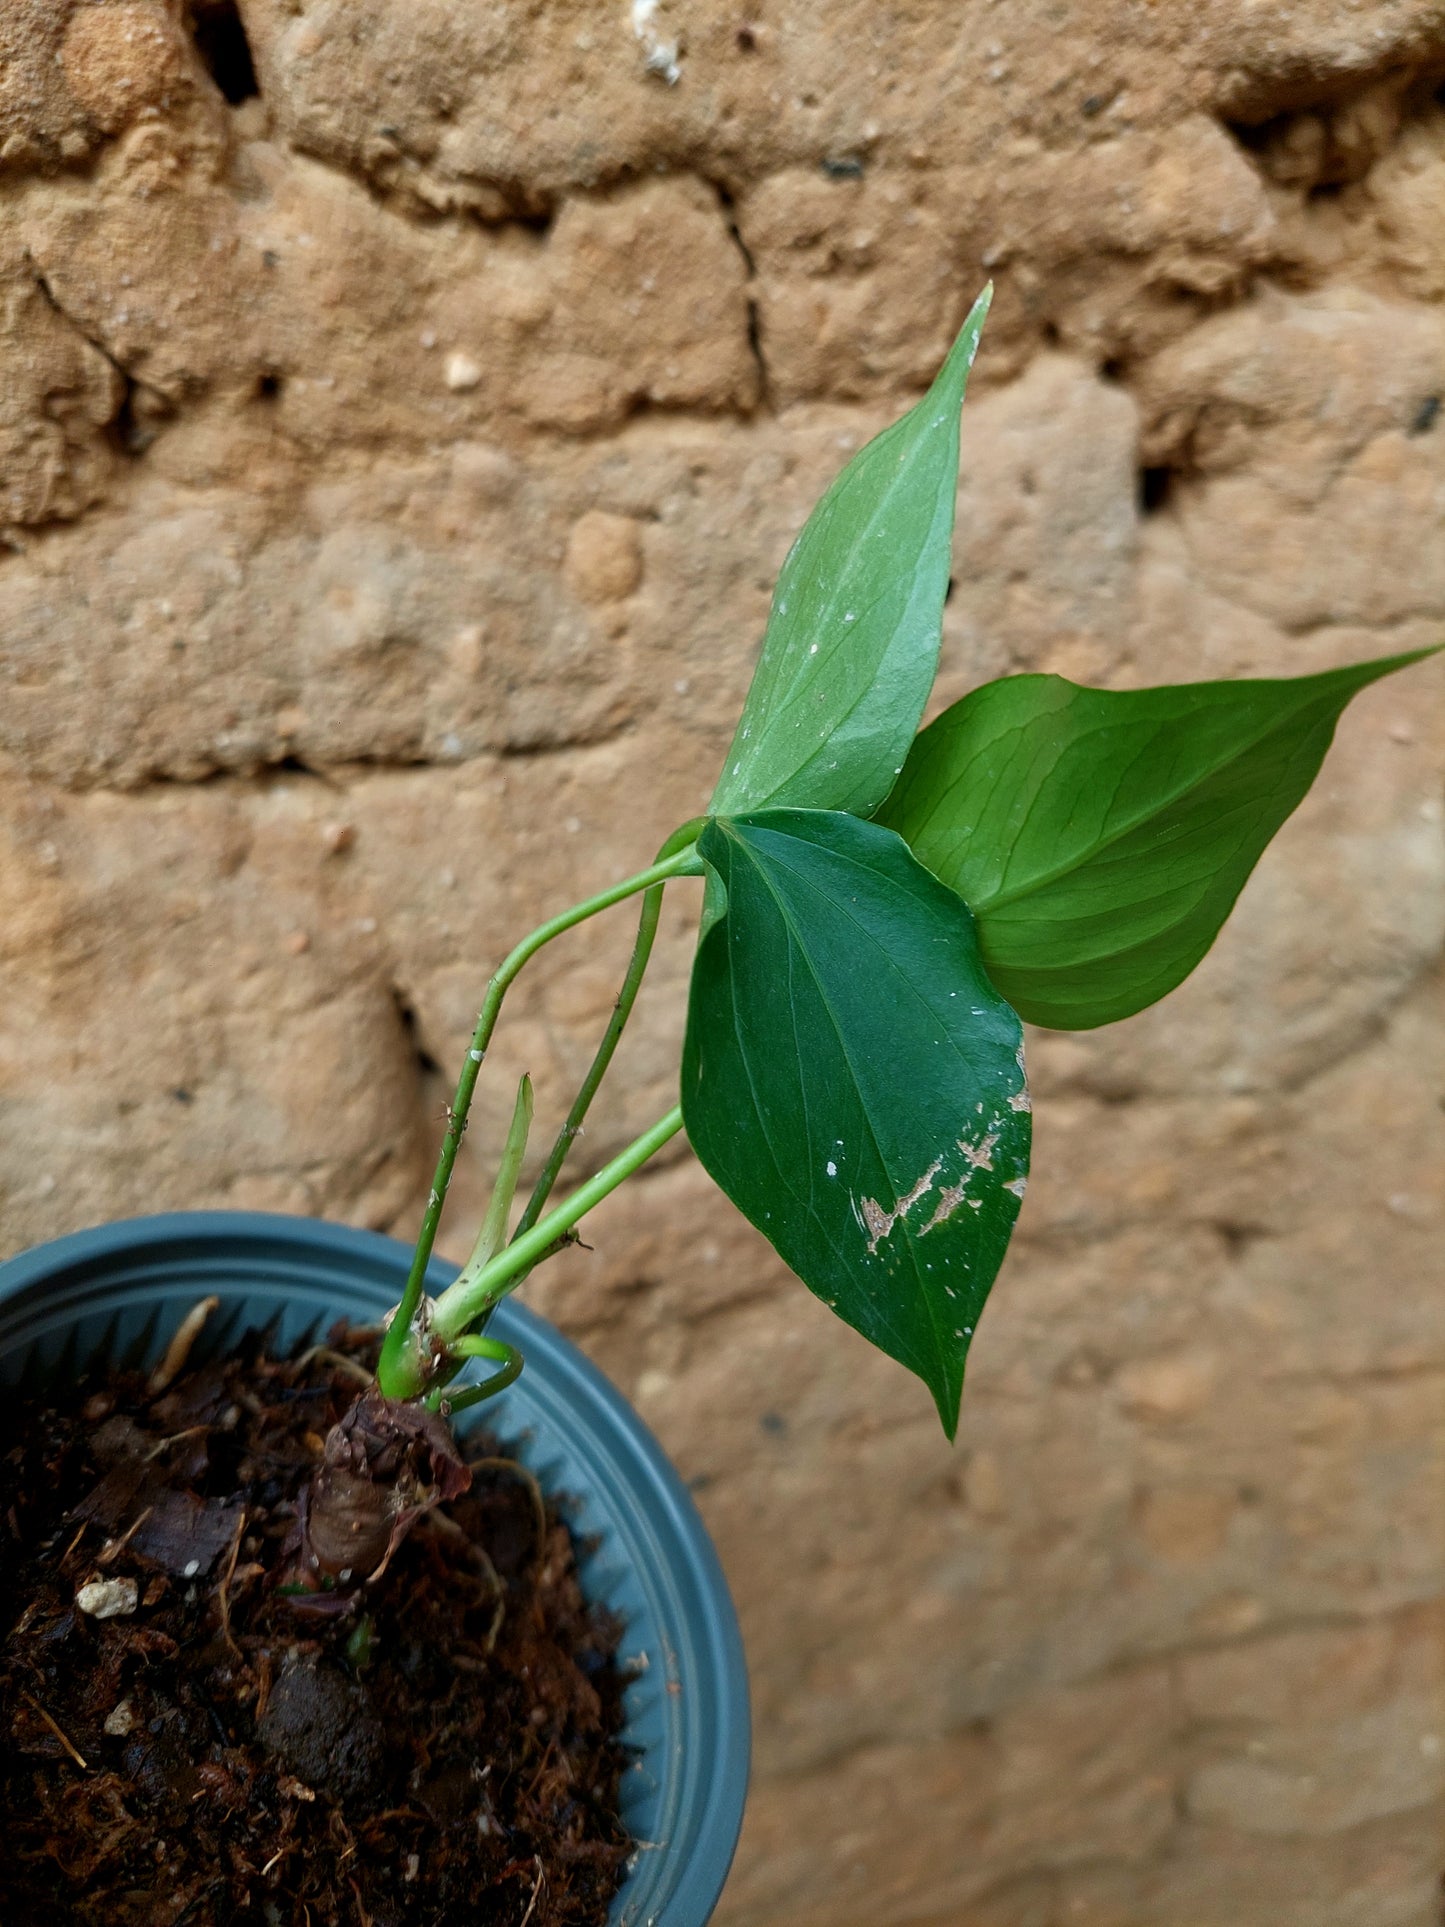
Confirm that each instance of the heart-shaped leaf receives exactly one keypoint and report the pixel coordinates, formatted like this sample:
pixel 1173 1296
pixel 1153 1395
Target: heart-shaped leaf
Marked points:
pixel 855 1084
pixel 1101 837
pixel 852 641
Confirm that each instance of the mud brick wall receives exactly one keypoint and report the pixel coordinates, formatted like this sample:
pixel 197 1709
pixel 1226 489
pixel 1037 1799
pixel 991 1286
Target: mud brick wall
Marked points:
pixel 405 407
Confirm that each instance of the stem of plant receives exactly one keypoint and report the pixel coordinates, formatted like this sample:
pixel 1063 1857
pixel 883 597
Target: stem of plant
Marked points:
pixel 473 1345
pixel 493 1234
pixel 626 997
pixel 462 1305
pixel 392 1375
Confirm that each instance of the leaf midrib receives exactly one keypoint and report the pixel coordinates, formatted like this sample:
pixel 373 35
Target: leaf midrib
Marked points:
pixel 796 945
pixel 782 691
pixel 781 696
pixel 807 667
pixel 1045 878
pixel 779 1164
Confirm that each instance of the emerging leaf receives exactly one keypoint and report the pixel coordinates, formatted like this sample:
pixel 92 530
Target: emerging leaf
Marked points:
pixel 855 1084
pixel 1101 837
pixel 852 641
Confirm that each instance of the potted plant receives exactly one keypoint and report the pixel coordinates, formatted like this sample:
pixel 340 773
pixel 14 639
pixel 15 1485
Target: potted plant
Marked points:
pixel 881 911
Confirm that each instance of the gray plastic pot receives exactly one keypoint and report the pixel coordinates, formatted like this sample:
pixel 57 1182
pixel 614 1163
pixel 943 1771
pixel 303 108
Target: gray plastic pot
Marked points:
pixel 122 1289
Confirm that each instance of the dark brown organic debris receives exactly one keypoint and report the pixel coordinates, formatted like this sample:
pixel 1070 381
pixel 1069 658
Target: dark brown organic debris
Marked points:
pixel 217 1755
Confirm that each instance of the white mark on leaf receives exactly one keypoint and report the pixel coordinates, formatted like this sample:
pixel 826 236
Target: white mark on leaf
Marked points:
pixel 878 1223
pixel 979 1155
pixel 949 1199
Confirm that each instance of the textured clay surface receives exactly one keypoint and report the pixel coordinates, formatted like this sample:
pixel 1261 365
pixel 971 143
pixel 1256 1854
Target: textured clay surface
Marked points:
pixel 405 409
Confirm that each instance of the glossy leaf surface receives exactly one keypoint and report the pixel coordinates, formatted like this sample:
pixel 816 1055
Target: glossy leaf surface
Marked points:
pixel 855 1084
pixel 851 645
pixel 1101 836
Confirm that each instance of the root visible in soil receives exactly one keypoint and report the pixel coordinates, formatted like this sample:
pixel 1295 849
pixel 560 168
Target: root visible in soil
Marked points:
pixel 191 1741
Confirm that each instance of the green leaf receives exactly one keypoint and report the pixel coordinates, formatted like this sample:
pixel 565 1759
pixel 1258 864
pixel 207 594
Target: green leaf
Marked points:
pixel 1101 837
pixel 855 1084
pixel 852 641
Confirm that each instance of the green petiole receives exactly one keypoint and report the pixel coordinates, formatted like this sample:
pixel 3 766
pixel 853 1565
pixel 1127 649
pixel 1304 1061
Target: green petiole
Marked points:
pixel 474 1345
pixel 493 1234
pixel 396 1370
pixel 681 839
pixel 464 1303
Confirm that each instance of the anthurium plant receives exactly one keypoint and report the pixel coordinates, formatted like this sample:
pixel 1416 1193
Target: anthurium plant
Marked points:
pixel 881 911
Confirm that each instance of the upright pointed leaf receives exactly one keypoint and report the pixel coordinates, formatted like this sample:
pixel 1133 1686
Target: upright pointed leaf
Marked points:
pixel 852 642
pixel 855 1084
pixel 1101 837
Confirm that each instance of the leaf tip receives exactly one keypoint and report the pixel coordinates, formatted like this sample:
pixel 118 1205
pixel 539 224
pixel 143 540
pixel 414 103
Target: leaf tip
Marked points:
pixel 959 361
pixel 948 1398
pixel 978 313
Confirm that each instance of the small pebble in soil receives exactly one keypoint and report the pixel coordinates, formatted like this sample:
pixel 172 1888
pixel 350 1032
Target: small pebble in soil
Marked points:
pixel 108 1598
